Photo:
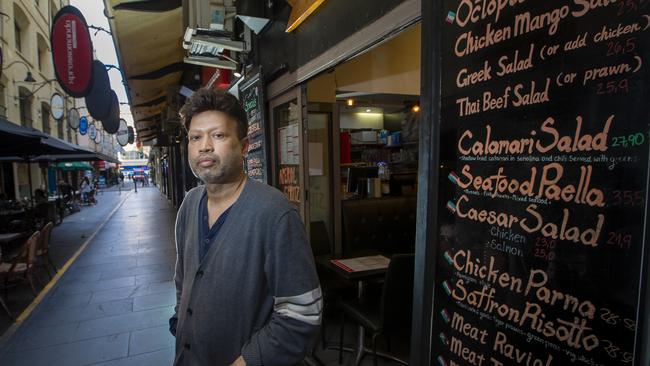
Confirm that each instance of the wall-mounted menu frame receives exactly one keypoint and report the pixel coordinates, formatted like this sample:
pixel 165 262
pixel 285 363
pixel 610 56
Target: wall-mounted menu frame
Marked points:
pixel 251 95
pixel 532 208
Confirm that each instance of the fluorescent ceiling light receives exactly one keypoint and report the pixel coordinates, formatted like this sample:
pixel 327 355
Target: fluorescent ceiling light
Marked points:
pixel 210 62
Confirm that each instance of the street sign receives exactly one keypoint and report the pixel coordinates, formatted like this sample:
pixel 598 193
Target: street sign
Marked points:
pixel 57 106
pixel 73 118
pixel 83 125
pixel 92 131
pixel 123 133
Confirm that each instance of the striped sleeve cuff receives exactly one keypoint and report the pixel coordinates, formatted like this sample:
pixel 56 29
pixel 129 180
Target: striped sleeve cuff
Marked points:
pixel 307 307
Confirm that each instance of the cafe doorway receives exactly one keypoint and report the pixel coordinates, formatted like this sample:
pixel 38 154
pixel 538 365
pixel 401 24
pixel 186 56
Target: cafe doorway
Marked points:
pixel 346 146
pixel 361 164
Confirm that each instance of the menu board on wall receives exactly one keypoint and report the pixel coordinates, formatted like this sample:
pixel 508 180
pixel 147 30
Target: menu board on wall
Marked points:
pixel 251 94
pixel 544 123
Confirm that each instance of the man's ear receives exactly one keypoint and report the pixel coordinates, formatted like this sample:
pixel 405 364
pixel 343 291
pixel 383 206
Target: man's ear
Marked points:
pixel 244 146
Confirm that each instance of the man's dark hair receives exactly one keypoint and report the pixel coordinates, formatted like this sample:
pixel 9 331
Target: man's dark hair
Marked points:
pixel 219 100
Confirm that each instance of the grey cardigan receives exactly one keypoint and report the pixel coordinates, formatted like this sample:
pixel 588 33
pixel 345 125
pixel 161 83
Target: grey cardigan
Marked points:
pixel 256 292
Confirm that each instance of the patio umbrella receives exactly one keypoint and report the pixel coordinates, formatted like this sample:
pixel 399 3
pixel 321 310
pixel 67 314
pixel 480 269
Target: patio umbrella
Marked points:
pixel 73 165
pixel 15 139
pixel 24 144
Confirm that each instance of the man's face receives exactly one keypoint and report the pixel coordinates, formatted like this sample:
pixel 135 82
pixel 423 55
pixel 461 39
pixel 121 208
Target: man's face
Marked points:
pixel 215 151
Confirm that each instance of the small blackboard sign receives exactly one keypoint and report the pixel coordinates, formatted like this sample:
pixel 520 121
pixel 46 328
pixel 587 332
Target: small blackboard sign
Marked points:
pixel 542 216
pixel 251 94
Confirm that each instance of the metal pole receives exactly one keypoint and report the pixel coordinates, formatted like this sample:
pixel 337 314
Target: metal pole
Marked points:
pixel 29 174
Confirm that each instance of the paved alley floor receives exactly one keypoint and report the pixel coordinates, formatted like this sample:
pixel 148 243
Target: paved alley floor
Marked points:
pixel 112 305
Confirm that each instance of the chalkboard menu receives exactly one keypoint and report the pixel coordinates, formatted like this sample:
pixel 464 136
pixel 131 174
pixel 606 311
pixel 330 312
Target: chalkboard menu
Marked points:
pixel 251 94
pixel 544 137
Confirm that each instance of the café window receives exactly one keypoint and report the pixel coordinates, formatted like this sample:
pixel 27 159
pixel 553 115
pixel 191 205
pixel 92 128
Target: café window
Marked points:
pixel 18 35
pixel 42 56
pixel 45 118
pixel 25 105
pixel 21 29
pixel 60 129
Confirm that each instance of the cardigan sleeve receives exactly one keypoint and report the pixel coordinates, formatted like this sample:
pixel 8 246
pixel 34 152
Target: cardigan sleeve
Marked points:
pixel 179 228
pixel 291 275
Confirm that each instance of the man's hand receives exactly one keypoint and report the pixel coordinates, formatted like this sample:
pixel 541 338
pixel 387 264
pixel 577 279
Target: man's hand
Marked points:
pixel 239 362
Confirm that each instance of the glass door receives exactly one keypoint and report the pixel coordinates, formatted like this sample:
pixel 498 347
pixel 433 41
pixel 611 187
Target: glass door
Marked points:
pixel 321 218
pixel 289 152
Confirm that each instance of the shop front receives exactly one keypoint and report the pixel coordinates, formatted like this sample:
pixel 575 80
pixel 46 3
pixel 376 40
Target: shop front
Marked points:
pixel 503 146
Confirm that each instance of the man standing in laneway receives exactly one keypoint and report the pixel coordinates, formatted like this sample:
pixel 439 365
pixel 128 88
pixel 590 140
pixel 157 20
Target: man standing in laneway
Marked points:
pixel 246 286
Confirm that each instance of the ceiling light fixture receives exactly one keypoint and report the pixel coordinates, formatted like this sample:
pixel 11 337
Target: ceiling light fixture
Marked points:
pixel 415 108
pixel 350 102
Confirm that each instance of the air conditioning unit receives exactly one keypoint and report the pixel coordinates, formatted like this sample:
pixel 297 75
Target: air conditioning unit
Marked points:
pixel 211 14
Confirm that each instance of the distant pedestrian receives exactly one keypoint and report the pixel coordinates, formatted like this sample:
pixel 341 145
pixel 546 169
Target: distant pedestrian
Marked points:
pixel 247 290
pixel 85 189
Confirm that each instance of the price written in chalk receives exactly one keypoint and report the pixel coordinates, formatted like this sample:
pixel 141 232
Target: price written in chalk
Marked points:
pixel 619 240
pixel 616 352
pixel 613 87
pixel 613 319
pixel 632 140
pixel 630 6
pixel 627 198
pixel 621 47
pixel 545 248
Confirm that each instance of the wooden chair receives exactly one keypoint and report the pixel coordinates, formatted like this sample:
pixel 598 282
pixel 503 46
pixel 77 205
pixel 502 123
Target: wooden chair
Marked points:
pixel 2 301
pixel 23 263
pixel 43 250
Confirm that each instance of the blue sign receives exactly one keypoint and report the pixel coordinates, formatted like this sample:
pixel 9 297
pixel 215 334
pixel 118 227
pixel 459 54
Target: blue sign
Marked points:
pixel 83 125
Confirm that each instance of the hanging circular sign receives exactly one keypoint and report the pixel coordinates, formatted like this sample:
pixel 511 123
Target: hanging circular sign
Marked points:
pixel 72 51
pixel 122 133
pixel 98 100
pixel 73 118
pixel 92 131
pixel 98 136
pixel 131 135
pixel 57 106
pixel 112 122
pixel 83 125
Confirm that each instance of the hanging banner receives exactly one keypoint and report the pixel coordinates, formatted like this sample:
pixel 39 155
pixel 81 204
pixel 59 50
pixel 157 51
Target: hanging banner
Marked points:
pixel 72 51
pixel 112 122
pixel 131 135
pixel 83 125
pixel 123 133
pixel 543 183
pixel 98 100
